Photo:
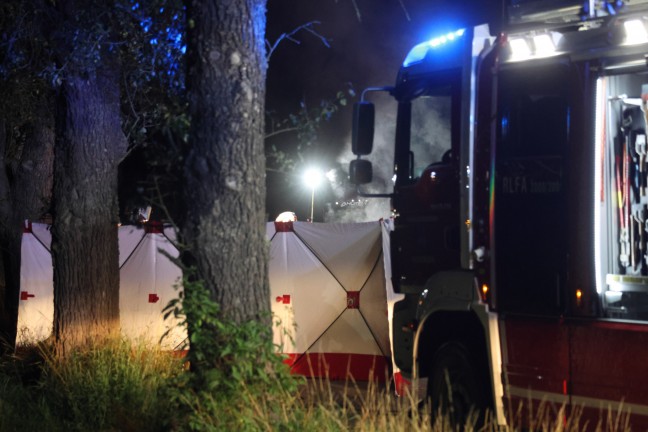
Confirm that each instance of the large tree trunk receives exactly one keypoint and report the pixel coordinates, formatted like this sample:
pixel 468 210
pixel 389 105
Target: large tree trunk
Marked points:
pixel 26 196
pixel 225 165
pixel 84 234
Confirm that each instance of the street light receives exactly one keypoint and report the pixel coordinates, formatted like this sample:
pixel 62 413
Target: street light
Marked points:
pixel 312 179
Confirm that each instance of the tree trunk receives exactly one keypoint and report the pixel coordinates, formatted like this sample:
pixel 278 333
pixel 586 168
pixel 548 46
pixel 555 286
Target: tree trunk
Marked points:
pixel 85 250
pixel 225 164
pixel 26 196
pixel 7 248
pixel 34 175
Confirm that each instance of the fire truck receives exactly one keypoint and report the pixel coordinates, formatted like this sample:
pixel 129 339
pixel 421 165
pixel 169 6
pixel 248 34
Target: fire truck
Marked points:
pixel 519 245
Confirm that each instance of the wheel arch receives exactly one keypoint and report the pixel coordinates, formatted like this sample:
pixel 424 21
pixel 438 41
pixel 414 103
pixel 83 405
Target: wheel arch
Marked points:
pixel 447 326
pixel 445 313
pixel 450 309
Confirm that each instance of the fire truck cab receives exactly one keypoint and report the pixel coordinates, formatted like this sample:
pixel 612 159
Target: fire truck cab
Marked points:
pixel 520 212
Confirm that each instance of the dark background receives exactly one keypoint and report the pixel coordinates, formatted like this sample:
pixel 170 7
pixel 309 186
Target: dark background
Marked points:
pixel 364 50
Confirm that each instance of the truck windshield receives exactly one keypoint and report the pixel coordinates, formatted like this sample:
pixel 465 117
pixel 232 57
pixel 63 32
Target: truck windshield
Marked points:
pixel 430 136
pixel 428 123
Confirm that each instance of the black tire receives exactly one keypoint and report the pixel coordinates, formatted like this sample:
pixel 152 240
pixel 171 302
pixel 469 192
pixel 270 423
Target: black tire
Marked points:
pixel 457 387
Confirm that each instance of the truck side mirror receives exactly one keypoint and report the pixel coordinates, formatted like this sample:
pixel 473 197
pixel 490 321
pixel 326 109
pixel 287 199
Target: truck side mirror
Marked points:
pixel 360 171
pixel 363 128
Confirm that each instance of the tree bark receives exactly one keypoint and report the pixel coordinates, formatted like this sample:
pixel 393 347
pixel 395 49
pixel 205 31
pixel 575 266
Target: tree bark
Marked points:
pixel 225 164
pixel 84 234
pixel 25 193
pixel 7 267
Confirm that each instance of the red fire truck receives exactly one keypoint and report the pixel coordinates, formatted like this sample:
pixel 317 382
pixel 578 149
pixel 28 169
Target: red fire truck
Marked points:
pixel 520 211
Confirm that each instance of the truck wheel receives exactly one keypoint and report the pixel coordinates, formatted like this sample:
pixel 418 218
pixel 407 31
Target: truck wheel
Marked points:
pixel 456 387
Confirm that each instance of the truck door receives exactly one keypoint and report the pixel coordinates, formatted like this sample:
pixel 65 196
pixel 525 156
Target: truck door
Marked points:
pixel 426 200
pixel 425 239
pixel 530 230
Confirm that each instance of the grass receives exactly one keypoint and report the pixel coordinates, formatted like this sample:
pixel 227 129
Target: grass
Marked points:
pixel 113 387
pixel 121 388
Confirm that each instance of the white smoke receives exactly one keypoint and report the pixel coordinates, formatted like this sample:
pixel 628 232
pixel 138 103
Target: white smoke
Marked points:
pixel 348 206
pixel 430 139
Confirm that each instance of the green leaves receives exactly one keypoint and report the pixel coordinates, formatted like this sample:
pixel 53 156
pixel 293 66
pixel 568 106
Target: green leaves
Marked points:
pixel 231 365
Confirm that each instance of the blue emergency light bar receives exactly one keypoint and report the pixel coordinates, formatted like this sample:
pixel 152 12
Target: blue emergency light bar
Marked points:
pixel 419 52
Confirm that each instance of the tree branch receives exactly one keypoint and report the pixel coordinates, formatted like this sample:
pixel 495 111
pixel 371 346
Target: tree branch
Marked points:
pixel 407 15
pixel 280 131
pixel 271 47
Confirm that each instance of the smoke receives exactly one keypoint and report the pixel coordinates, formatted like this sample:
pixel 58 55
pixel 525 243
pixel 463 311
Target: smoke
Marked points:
pixel 348 206
pixel 430 139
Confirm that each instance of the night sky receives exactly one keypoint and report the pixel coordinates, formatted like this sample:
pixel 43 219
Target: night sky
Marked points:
pixel 365 51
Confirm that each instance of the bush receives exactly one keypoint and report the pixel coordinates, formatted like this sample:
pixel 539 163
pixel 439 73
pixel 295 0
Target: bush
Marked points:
pixel 236 377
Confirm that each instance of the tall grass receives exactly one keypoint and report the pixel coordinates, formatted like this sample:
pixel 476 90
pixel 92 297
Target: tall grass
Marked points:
pixel 236 383
pixel 109 387
pixel 120 388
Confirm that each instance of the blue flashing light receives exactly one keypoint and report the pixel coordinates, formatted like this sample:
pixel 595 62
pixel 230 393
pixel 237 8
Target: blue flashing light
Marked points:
pixel 504 122
pixel 419 52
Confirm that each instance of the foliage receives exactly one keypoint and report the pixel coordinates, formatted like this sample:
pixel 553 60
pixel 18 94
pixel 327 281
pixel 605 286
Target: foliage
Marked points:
pixel 235 369
pixel 305 124
pixel 154 75
pixel 23 58
pixel 38 45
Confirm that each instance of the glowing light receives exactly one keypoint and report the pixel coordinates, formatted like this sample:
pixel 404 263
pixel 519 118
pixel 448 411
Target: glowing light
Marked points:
pixel 599 143
pixel 484 290
pixel 579 297
pixel 331 175
pixel 286 216
pixel 519 49
pixel 313 177
pixel 544 45
pixel 419 52
pixel 635 32
pixel 416 54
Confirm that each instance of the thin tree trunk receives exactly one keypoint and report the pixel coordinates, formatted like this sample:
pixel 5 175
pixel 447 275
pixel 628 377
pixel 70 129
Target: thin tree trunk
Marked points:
pixel 84 234
pixel 225 164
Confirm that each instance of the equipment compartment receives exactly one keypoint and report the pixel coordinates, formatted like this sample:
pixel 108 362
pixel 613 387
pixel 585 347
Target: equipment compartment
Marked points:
pixel 621 195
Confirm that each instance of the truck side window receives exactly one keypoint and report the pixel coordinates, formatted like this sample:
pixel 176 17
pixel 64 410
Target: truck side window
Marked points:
pixel 430 135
